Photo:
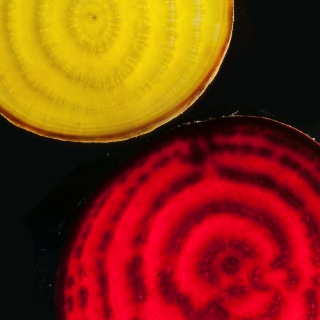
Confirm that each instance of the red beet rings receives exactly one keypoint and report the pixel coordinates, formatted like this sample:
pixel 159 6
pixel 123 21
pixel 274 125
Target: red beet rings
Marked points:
pixel 221 220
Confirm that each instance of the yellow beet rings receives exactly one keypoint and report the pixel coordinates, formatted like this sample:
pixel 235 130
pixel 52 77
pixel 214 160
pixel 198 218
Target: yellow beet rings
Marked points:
pixel 96 70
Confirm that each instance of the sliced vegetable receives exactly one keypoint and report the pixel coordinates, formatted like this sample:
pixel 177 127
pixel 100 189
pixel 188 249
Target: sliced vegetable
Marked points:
pixel 94 70
pixel 219 220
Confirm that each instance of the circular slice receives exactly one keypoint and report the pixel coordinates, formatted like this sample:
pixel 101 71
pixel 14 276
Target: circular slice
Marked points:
pixel 219 221
pixel 96 70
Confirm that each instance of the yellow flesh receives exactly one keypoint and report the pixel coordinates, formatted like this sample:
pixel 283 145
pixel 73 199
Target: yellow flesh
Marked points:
pixel 106 70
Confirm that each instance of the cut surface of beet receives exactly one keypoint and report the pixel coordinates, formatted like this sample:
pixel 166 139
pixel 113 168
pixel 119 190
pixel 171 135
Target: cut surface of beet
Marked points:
pixel 104 71
pixel 220 220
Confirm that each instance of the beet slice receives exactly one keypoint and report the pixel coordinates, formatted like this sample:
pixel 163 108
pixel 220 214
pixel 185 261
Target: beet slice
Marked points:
pixel 104 71
pixel 218 221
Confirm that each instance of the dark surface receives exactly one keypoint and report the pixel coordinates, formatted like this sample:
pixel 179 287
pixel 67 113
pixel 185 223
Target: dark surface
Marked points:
pixel 270 68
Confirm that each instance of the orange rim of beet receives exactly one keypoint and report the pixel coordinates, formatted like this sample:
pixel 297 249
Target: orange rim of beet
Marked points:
pixel 102 71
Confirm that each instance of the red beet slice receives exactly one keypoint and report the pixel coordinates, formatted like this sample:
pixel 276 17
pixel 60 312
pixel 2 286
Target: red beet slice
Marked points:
pixel 219 221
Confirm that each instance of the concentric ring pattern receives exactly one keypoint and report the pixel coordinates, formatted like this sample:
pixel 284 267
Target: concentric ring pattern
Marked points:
pixel 220 221
pixel 96 70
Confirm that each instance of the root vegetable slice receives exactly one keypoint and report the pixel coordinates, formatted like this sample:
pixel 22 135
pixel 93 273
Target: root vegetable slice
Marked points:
pixel 96 70
pixel 219 221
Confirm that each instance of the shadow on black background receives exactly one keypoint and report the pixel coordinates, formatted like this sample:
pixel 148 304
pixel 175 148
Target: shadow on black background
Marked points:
pixel 17 272
pixel 270 67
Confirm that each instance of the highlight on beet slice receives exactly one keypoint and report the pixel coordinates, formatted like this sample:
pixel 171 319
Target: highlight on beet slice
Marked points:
pixel 97 70
pixel 220 220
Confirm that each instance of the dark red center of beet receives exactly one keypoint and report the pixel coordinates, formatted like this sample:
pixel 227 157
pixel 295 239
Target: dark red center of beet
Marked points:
pixel 230 265
pixel 219 222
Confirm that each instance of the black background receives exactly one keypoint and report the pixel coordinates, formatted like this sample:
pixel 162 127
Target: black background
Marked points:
pixel 270 67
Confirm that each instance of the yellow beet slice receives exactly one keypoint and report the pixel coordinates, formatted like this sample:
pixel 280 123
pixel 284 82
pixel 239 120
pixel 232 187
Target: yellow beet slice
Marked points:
pixel 107 70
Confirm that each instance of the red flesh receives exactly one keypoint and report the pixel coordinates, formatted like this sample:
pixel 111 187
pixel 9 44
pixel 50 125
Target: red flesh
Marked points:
pixel 220 221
